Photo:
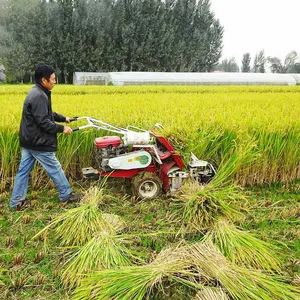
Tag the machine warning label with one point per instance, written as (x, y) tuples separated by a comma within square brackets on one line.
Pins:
[(143, 159)]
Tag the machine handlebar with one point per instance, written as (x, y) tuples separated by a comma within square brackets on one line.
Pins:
[(137, 136), (73, 119)]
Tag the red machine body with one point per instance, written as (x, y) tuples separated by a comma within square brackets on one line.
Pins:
[(166, 152), (103, 142), (148, 159)]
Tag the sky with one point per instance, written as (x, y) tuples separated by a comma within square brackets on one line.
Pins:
[(255, 25)]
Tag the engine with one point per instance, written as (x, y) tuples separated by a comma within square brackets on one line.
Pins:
[(105, 154), (111, 155)]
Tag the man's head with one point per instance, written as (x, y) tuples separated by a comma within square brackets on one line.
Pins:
[(44, 75)]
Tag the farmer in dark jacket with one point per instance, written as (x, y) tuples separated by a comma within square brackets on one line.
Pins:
[(38, 139)]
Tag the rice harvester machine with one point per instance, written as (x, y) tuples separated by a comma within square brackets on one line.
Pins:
[(148, 159)]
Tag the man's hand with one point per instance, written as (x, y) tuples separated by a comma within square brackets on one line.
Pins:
[(68, 120), (67, 130)]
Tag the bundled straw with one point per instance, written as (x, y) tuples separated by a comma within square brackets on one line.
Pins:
[(209, 293), (239, 282), (76, 226), (242, 248), (134, 282), (117, 223), (196, 266), (202, 205), (104, 251)]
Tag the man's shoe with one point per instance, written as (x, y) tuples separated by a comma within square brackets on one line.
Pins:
[(21, 206), (73, 198)]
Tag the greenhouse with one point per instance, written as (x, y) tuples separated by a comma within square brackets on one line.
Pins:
[(173, 78), (90, 78), (220, 78), (296, 77), (2, 73)]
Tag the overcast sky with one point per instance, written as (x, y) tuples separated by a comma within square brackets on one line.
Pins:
[(254, 25)]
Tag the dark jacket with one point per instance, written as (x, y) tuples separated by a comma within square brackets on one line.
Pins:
[(38, 128)]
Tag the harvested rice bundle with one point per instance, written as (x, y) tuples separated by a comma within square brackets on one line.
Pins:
[(243, 248)]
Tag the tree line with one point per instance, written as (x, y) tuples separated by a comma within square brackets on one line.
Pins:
[(108, 35), (291, 63)]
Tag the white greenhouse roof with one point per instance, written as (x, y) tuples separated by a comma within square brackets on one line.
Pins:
[(173, 78), (85, 78), (296, 77), (219, 78)]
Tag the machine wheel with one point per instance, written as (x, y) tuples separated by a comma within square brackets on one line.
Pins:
[(146, 185)]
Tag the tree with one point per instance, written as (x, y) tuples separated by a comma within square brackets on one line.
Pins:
[(109, 35), (246, 63), (290, 60), (276, 65), (288, 66), (17, 55), (228, 65), (259, 62), (205, 36), (295, 68)]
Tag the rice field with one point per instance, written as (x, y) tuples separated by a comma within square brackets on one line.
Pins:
[(220, 241), (259, 124)]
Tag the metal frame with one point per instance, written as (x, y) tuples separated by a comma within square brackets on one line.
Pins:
[(98, 124)]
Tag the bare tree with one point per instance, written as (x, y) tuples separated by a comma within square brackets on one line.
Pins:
[(276, 65), (288, 66), (259, 62), (290, 61)]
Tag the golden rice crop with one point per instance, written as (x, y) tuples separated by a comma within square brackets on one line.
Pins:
[(198, 265), (209, 121), (243, 248)]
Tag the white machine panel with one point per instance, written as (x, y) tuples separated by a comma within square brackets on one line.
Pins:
[(129, 161), (139, 138)]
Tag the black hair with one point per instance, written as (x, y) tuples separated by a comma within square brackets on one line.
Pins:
[(42, 71)]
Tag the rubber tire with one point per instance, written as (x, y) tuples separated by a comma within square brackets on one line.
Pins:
[(140, 179)]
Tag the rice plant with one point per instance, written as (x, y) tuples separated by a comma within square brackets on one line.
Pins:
[(207, 120), (211, 293), (201, 206), (198, 266), (76, 226), (135, 282), (9, 155), (234, 156), (243, 248), (104, 251), (239, 282)]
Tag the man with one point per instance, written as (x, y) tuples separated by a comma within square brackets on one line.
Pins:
[(38, 139)]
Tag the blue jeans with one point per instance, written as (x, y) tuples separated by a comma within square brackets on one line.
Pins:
[(50, 163)]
